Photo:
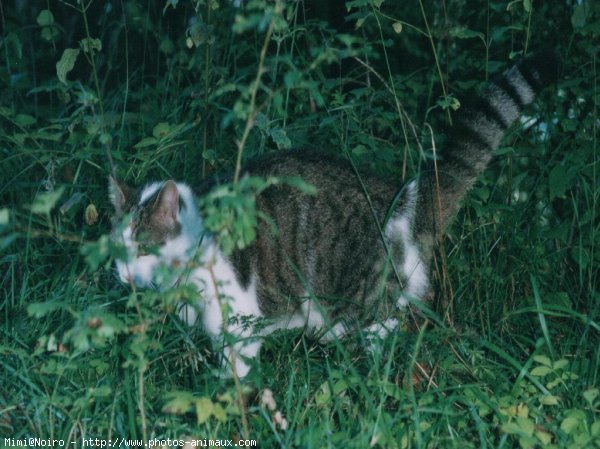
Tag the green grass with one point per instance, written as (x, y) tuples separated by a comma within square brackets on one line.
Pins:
[(509, 357)]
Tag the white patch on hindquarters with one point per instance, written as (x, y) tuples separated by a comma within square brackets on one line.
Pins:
[(399, 230)]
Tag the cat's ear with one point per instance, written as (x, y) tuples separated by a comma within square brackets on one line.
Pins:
[(166, 206), (120, 194)]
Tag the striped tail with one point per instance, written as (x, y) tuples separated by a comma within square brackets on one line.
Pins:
[(477, 132)]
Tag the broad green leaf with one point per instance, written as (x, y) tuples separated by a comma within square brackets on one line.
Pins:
[(41, 309), (465, 33), (204, 409), (4, 216), (559, 180), (161, 130), (179, 402), (590, 395), (549, 399), (540, 371), (45, 18), (397, 26), (66, 63), (44, 202), (580, 15), (542, 360), (25, 120), (146, 142)]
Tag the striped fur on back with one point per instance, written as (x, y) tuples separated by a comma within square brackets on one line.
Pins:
[(348, 257)]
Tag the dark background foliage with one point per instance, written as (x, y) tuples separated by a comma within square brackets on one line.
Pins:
[(181, 89)]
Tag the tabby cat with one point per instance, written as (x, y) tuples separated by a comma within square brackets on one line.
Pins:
[(349, 256)]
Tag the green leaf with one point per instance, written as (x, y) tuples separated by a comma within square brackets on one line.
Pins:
[(527, 6), (465, 33), (540, 371), (179, 402), (44, 202), (559, 180), (580, 15), (542, 360), (397, 26), (89, 44), (161, 130), (281, 139), (66, 63), (41, 309), (45, 18), (590, 395), (204, 409), (4, 216), (560, 364), (146, 142), (25, 120), (549, 399)]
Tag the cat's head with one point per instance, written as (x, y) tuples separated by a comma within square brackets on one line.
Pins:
[(160, 228)]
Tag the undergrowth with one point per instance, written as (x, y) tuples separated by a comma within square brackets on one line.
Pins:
[(509, 356)]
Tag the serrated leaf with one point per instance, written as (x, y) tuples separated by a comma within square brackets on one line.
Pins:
[(44, 202), (66, 63), (397, 26), (179, 402), (281, 139)]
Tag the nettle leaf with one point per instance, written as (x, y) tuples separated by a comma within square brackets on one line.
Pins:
[(66, 63), (179, 402), (281, 139)]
